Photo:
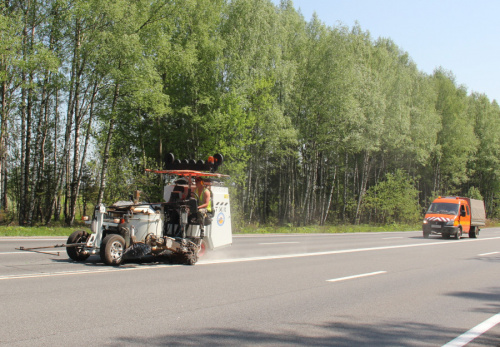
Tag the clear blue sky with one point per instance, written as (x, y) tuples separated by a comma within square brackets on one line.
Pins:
[(460, 36)]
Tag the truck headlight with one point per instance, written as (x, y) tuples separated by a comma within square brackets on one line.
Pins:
[(450, 222), (425, 221)]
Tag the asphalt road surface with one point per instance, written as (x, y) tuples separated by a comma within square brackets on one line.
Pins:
[(366, 289)]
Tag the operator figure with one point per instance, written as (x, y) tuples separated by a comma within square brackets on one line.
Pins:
[(204, 203)]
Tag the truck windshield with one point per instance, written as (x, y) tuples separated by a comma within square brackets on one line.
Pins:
[(443, 208)]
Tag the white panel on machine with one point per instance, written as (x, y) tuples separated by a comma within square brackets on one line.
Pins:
[(221, 232)]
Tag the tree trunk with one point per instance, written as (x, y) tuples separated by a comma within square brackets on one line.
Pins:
[(3, 142), (364, 183), (78, 168), (108, 145), (330, 197)]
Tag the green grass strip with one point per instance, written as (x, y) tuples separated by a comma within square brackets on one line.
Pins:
[(38, 231), (327, 229)]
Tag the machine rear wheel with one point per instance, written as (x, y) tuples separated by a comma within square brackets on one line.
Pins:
[(77, 253), (112, 248), (190, 258)]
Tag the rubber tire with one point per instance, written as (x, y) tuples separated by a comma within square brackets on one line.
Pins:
[(473, 232), (458, 234), (426, 235), (190, 259), (75, 253), (112, 248), (203, 249)]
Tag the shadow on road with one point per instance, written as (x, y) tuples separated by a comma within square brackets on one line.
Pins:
[(333, 334), (491, 297)]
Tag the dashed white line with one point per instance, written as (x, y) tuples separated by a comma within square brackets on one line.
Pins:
[(357, 276), (473, 333), (491, 253), (277, 243)]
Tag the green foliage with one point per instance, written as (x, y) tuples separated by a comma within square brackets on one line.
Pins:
[(456, 139), (394, 200), (309, 117), (474, 193)]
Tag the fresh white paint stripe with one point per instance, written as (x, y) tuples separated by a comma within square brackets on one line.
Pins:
[(488, 253), (85, 272), (276, 243), (470, 335), (342, 251), (30, 239), (239, 260), (31, 252), (357, 276)]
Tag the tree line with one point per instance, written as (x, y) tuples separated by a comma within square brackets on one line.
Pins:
[(317, 124)]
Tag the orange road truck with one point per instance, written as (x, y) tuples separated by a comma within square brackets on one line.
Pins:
[(454, 216)]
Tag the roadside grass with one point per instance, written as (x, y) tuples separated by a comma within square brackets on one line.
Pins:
[(326, 229), (38, 231), (254, 229), (339, 229)]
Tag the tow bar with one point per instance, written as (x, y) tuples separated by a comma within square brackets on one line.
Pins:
[(36, 249)]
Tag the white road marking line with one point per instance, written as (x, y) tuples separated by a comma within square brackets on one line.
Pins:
[(276, 243), (85, 272), (357, 276), (30, 252), (29, 239), (473, 333), (239, 260), (343, 251), (392, 238), (488, 253)]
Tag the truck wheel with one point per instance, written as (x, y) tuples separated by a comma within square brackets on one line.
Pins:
[(458, 234), (473, 232), (112, 248), (77, 253), (426, 235)]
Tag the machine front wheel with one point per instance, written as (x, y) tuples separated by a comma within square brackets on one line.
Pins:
[(112, 248), (77, 253)]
